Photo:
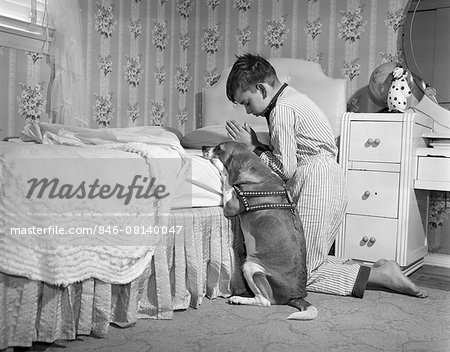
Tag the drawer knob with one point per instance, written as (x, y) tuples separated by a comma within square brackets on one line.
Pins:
[(373, 142), (365, 239), (367, 194), (372, 240)]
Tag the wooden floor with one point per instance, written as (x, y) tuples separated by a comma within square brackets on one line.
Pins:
[(432, 277)]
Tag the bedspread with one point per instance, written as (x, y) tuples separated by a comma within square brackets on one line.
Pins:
[(120, 192), (204, 259)]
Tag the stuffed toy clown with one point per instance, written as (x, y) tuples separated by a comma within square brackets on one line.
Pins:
[(399, 92)]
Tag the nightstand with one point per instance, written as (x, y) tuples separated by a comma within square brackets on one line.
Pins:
[(385, 216)]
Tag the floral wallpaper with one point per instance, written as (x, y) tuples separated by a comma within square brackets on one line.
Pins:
[(149, 60), (438, 224), (146, 61), (31, 101)]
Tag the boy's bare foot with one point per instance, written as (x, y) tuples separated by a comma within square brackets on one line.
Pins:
[(388, 274)]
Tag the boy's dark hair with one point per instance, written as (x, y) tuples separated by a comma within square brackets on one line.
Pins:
[(247, 71)]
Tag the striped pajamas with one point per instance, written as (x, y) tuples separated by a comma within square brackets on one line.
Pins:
[(303, 153)]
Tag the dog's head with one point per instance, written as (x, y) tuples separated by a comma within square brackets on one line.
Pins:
[(225, 151), (242, 164)]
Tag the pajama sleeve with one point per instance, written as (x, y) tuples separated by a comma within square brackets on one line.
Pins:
[(282, 159)]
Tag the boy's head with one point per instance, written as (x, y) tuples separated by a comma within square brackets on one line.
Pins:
[(250, 83)]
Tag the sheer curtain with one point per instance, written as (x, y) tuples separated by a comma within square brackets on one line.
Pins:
[(68, 96)]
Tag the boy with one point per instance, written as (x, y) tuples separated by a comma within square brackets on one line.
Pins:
[(303, 153)]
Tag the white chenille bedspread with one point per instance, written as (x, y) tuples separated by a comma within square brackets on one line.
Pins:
[(111, 256)]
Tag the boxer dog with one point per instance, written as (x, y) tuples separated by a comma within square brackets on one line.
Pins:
[(275, 265)]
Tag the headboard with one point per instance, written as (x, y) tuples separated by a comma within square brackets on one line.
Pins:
[(306, 76)]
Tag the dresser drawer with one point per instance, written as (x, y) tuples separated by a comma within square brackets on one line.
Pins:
[(373, 193), (370, 238), (375, 141)]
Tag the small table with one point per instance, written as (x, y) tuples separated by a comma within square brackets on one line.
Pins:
[(433, 174), (433, 169)]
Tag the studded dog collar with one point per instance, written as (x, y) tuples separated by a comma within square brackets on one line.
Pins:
[(244, 195)]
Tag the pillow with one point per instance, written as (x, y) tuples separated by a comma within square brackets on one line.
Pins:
[(213, 135)]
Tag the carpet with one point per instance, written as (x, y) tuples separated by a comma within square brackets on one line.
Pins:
[(381, 321)]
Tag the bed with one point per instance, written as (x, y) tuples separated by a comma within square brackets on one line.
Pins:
[(160, 246)]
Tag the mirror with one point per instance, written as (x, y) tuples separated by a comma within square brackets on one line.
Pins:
[(426, 54), (426, 47)]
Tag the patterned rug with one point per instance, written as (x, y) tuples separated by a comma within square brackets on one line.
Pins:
[(382, 321)]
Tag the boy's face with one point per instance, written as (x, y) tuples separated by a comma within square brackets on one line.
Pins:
[(253, 101)]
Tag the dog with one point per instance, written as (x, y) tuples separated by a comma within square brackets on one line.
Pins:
[(275, 265)]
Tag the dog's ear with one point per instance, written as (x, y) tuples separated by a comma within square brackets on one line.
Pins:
[(227, 159), (224, 156), (246, 175), (241, 170)]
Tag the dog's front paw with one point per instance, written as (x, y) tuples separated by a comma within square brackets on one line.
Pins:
[(218, 164)]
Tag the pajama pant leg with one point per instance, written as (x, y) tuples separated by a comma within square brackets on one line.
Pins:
[(320, 192)]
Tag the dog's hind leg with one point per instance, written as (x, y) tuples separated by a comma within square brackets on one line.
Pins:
[(307, 311), (257, 281)]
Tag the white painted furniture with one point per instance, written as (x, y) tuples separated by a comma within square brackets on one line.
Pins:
[(385, 216), (433, 173), (431, 160)]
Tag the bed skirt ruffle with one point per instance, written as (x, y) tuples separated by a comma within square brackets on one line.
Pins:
[(203, 259)]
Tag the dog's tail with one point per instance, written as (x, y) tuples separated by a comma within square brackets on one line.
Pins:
[(306, 310)]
